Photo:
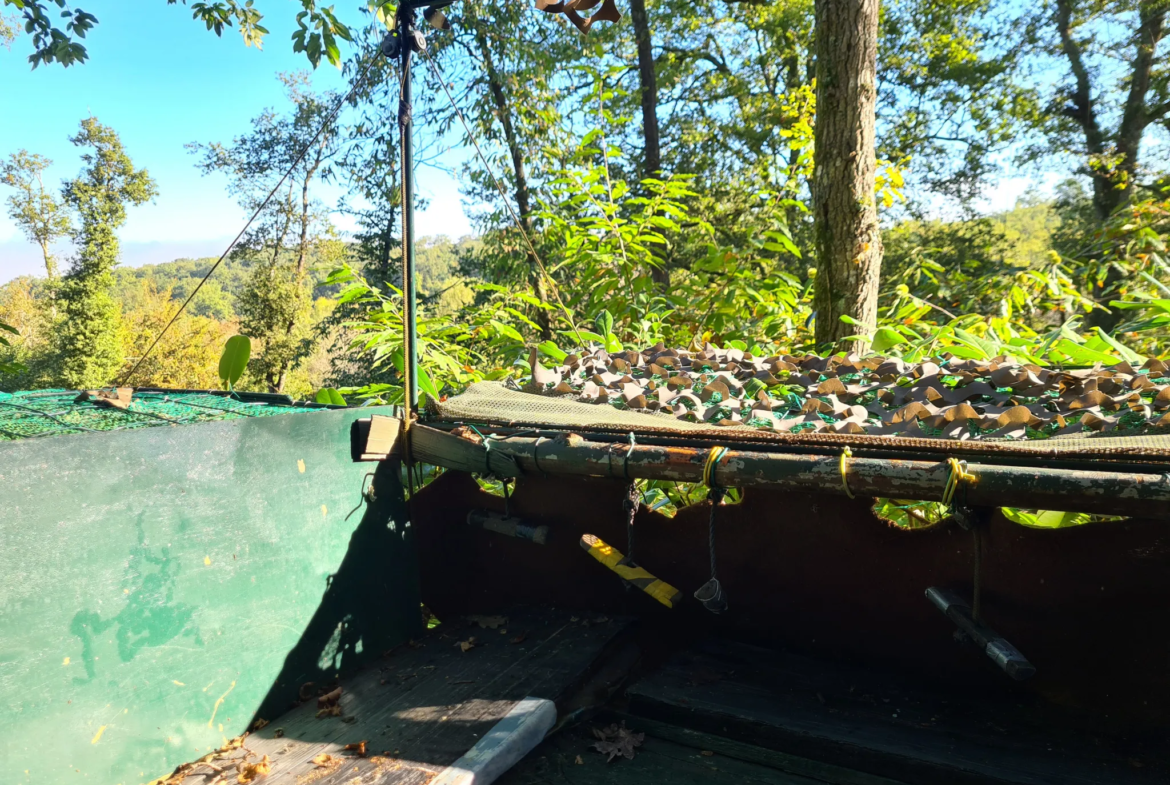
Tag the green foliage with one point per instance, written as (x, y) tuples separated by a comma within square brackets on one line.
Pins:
[(39, 213), (318, 30), (330, 397), (234, 361), (9, 366), (89, 341)]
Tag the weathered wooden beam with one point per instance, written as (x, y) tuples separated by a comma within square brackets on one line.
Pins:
[(1103, 492), (375, 438)]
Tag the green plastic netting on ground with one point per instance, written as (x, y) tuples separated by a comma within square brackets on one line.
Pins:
[(25, 415)]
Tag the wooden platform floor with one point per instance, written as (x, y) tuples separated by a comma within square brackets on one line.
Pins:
[(426, 705), (672, 755), (886, 725)]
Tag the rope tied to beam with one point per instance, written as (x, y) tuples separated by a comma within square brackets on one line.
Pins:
[(843, 465), (957, 475)]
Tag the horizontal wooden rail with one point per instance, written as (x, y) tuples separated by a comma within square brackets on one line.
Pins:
[(1138, 494)]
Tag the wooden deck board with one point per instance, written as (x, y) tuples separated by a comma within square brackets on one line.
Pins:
[(428, 702), (882, 724), (657, 761)]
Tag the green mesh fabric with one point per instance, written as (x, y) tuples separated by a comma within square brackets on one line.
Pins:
[(25, 415)]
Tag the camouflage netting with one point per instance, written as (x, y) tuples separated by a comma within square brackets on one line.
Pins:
[(26, 415), (951, 399), (947, 406)]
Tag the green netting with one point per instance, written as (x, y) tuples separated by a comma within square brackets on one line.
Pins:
[(25, 415)]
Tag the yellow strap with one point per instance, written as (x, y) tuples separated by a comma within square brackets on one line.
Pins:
[(846, 454), (613, 559), (713, 459), (958, 474)]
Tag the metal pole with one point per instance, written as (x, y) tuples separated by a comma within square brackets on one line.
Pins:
[(406, 45)]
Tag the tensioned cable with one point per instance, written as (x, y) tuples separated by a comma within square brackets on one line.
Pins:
[(504, 196), (297, 162)]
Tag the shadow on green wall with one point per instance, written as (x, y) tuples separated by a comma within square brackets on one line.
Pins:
[(151, 617), (371, 603)]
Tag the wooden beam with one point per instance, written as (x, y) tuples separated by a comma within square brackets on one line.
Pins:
[(1102, 492)]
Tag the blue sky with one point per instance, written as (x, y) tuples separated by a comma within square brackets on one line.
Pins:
[(162, 80)]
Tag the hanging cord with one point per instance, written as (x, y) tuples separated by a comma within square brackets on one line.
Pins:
[(507, 203), (297, 162), (715, 494), (367, 494), (631, 504), (846, 454)]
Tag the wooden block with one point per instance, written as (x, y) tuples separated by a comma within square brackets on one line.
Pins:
[(375, 438)]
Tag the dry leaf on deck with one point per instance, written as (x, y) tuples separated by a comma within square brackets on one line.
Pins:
[(329, 698), (324, 761), (488, 622), (617, 740), (329, 711), (579, 762), (359, 748), (250, 772), (467, 645)]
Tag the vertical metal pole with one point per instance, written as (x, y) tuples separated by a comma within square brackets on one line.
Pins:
[(410, 333)]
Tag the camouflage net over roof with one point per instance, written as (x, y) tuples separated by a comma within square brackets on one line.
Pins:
[(25, 415), (951, 398)]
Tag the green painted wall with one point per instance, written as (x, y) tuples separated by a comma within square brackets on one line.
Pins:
[(161, 587)]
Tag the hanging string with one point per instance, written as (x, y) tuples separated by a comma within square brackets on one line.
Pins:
[(631, 504), (507, 203), (715, 494)]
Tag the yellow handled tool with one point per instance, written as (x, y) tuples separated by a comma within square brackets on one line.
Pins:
[(635, 576)]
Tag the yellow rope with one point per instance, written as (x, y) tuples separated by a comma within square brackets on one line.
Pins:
[(846, 454), (958, 474), (713, 458)]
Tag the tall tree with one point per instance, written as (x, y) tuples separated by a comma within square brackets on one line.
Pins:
[(90, 340), (276, 304), (40, 214), (847, 235)]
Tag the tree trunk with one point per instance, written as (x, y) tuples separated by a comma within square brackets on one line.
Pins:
[(519, 175), (648, 82), (847, 237), (1112, 167)]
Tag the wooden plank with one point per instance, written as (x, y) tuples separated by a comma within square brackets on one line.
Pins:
[(880, 725), (429, 702), (820, 771), (656, 762), (1107, 492)]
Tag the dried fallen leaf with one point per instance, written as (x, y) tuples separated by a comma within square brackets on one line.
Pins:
[(329, 711), (707, 753), (488, 622), (249, 772), (324, 761), (278, 733), (617, 741), (329, 698), (579, 762), (467, 645), (359, 748), (259, 724)]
